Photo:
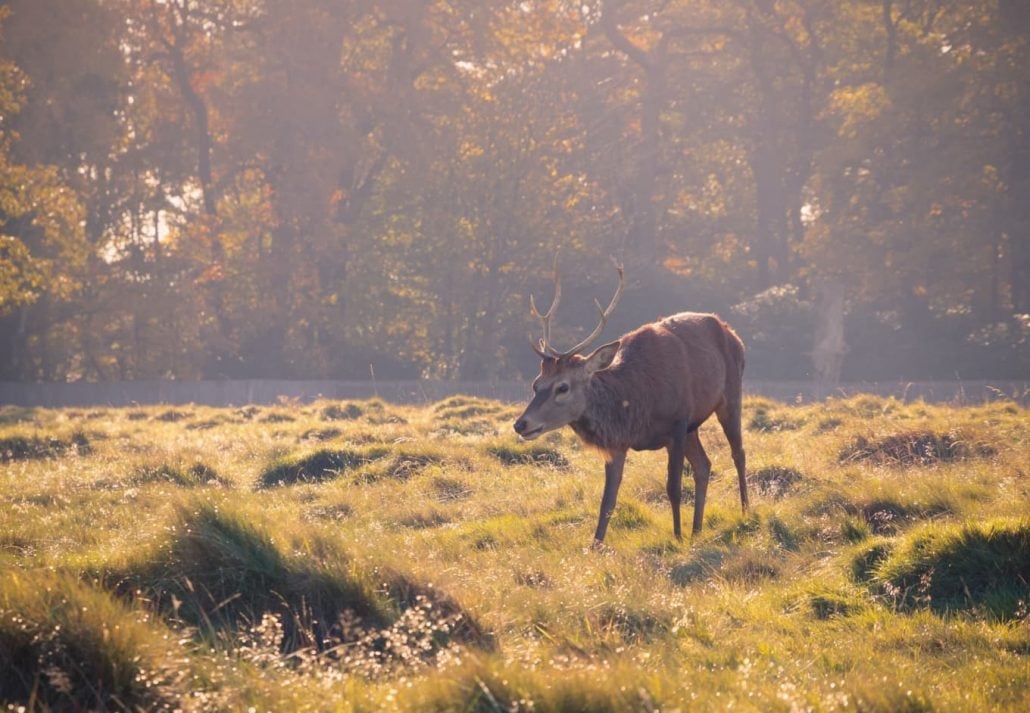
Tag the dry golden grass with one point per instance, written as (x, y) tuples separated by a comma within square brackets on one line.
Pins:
[(353, 556)]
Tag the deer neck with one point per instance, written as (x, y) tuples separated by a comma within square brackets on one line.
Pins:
[(607, 421)]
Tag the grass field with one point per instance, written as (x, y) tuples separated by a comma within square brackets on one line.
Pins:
[(361, 555)]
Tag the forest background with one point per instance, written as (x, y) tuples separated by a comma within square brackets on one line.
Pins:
[(315, 189)]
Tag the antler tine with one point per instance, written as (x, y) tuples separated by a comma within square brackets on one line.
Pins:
[(544, 345), (605, 313)]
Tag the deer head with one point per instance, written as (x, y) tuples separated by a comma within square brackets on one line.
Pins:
[(560, 390)]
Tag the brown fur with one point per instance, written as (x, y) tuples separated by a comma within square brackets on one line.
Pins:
[(667, 378)]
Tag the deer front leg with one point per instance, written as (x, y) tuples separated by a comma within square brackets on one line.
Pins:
[(674, 484), (612, 481)]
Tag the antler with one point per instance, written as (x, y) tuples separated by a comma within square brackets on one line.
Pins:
[(605, 314), (543, 346)]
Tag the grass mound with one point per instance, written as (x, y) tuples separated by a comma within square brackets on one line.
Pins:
[(374, 412), (176, 473), (470, 427), (982, 567), (248, 413), (407, 462), (408, 594), (320, 434), (912, 448), (16, 414), (479, 688), (831, 605), (276, 417), (20, 447), (528, 454), (775, 481), (749, 567), (766, 418), (885, 516), (221, 574), (424, 520), (172, 416), (629, 624), (453, 402), (65, 645), (462, 408), (321, 465), (204, 425), (629, 515), (450, 489), (866, 562), (341, 412), (336, 512)]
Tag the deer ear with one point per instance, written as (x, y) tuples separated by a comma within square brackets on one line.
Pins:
[(602, 357)]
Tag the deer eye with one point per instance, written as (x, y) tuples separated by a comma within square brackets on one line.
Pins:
[(562, 389)]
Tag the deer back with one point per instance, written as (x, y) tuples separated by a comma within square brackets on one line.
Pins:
[(671, 371)]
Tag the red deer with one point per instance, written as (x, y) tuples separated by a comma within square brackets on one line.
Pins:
[(649, 389)]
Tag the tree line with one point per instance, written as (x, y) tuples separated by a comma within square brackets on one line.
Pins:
[(329, 188)]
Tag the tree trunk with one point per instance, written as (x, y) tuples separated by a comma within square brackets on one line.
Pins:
[(829, 348), (643, 223)]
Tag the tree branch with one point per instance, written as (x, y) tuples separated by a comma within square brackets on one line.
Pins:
[(620, 41)]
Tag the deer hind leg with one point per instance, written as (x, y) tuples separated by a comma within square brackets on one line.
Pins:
[(674, 484), (729, 418), (702, 468)]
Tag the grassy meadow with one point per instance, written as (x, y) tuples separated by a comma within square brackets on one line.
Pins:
[(367, 556)]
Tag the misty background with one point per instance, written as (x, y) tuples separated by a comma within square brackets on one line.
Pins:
[(320, 189)]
